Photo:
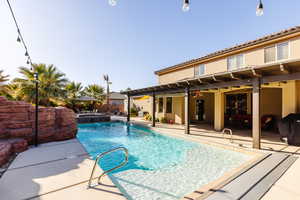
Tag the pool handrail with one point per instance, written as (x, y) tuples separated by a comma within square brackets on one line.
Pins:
[(112, 169), (227, 130)]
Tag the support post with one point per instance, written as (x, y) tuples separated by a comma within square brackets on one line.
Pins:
[(36, 139), (219, 111), (128, 108), (256, 121), (153, 110), (187, 110)]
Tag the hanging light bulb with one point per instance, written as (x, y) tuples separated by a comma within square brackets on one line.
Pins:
[(186, 5), (260, 9), (27, 61), (18, 39), (112, 2), (26, 53)]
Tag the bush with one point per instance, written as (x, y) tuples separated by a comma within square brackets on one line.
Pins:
[(133, 111), (163, 120), (148, 117)]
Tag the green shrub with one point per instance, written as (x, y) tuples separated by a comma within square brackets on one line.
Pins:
[(133, 111), (163, 120), (148, 117)]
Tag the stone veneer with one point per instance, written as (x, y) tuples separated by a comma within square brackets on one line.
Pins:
[(17, 122)]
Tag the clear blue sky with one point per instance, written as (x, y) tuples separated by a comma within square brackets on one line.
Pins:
[(87, 38)]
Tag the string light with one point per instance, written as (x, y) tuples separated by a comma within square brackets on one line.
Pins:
[(186, 5), (20, 37), (112, 2), (260, 9)]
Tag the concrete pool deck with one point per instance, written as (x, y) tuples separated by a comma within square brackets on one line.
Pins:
[(60, 170), (57, 170), (285, 188)]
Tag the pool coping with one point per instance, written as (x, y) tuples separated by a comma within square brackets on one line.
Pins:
[(206, 190)]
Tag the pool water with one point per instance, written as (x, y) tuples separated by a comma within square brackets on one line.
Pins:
[(159, 167)]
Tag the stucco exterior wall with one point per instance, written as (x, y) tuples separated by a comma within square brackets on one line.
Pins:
[(216, 66), (289, 98), (298, 95), (271, 102), (251, 58), (178, 109), (254, 57), (177, 114), (144, 105), (295, 48), (176, 76)]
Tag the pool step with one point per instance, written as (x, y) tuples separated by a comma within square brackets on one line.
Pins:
[(256, 181)]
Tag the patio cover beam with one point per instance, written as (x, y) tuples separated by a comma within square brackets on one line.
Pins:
[(201, 84)]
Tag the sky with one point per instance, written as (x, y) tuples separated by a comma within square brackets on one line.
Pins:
[(88, 38)]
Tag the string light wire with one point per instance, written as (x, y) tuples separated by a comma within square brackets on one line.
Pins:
[(20, 36)]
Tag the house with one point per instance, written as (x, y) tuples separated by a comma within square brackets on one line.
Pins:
[(238, 85), (141, 103), (116, 102)]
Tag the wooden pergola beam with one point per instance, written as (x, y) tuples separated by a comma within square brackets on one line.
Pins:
[(255, 73), (280, 78), (215, 79), (233, 76), (179, 87), (284, 69)]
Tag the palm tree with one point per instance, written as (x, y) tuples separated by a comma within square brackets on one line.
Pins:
[(3, 86), (95, 91), (51, 83), (73, 91), (3, 78)]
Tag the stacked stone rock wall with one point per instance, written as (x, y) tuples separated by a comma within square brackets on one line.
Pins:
[(17, 126)]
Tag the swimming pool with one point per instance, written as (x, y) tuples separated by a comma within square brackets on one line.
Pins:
[(159, 167)]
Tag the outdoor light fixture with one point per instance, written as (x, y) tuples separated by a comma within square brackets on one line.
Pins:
[(260, 9), (36, 77), (26, 53), (18, 39), (186, 5), (112, 2)]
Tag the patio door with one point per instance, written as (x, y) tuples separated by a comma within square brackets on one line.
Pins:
[(200, 111)]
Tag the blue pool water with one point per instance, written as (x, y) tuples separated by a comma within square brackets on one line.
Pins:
[(159, 167)]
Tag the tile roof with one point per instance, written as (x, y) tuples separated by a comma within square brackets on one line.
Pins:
[(266, 38), (116, 95)]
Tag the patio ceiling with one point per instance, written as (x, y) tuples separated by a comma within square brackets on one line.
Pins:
[(279, 71)]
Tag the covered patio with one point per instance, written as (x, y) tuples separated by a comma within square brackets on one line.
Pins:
[(254, 78), (241, 138)]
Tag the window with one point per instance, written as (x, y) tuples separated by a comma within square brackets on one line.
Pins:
[(277, 52), (199, 70), (169, 105), (283, 51), (235, 62), (270, 55), (160, 104)]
